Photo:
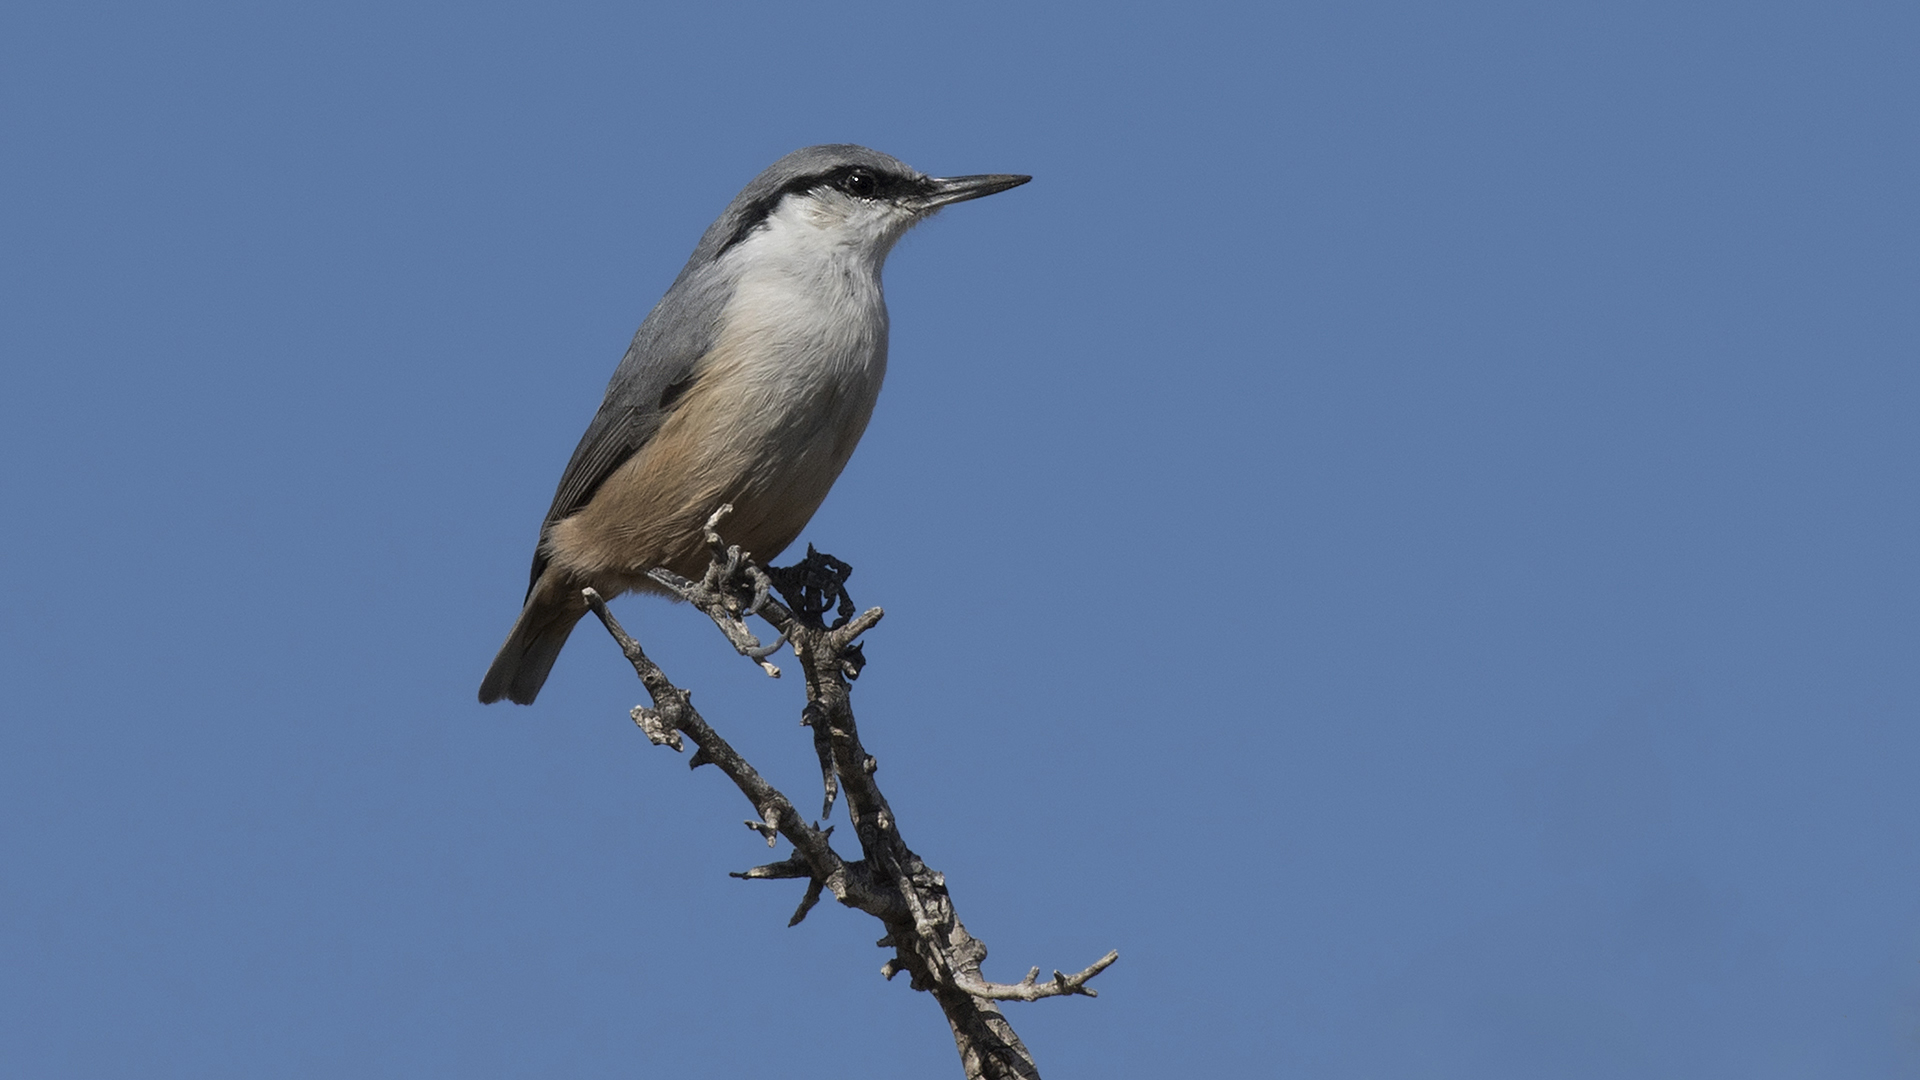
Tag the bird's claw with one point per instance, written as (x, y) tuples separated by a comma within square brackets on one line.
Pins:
[(732, 588)]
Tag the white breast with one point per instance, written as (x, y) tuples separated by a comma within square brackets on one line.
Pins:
[(799, 362)]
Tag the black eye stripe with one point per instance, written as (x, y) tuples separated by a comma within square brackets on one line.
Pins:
[(863, 182), (886, 185)]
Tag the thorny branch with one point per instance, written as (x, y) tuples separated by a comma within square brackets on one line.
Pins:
[(888, 881)]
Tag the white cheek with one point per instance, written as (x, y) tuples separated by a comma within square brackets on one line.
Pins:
[(808, 316), (826, 230)]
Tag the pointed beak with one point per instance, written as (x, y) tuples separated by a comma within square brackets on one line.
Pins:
[(942, 190)]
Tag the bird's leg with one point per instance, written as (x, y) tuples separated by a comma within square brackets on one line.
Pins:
[(733, 587)]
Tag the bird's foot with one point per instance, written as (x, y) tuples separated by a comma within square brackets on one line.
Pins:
[(733, 588)]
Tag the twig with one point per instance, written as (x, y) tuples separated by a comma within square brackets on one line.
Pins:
[(673, 714), (1029, 990)]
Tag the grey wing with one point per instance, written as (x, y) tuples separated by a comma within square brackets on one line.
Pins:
[(662, 360)]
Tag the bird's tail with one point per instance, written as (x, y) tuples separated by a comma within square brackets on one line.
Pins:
[(521, 667)]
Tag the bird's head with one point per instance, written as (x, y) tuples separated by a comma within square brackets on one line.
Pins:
[(842, 196)]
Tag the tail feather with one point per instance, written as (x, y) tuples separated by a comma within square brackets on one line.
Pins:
[(520, 669)]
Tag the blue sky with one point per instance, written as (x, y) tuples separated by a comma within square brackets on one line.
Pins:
[(1405, 529)]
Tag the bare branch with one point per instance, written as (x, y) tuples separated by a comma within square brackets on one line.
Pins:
[(659, 733), (673, 714), (889, 882), (1028, 989), (806, 902), (794, 867)]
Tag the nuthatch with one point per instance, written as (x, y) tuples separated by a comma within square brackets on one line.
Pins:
[(749, 383)]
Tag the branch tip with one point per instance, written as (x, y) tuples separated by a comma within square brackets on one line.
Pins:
[(806, 902), (862, 623)]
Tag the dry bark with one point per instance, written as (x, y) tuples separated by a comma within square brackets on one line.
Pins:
[(888, 881)]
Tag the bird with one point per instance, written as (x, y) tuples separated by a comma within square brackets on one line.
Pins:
[(749, 383)]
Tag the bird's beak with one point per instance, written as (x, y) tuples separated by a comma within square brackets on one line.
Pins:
[(941, 190)]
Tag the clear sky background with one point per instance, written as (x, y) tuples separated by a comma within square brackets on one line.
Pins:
[(1406, 529)]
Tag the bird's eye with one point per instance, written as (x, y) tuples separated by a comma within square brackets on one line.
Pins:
[(861, 184)]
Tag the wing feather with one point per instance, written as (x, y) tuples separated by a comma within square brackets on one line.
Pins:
[(664, 356)]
